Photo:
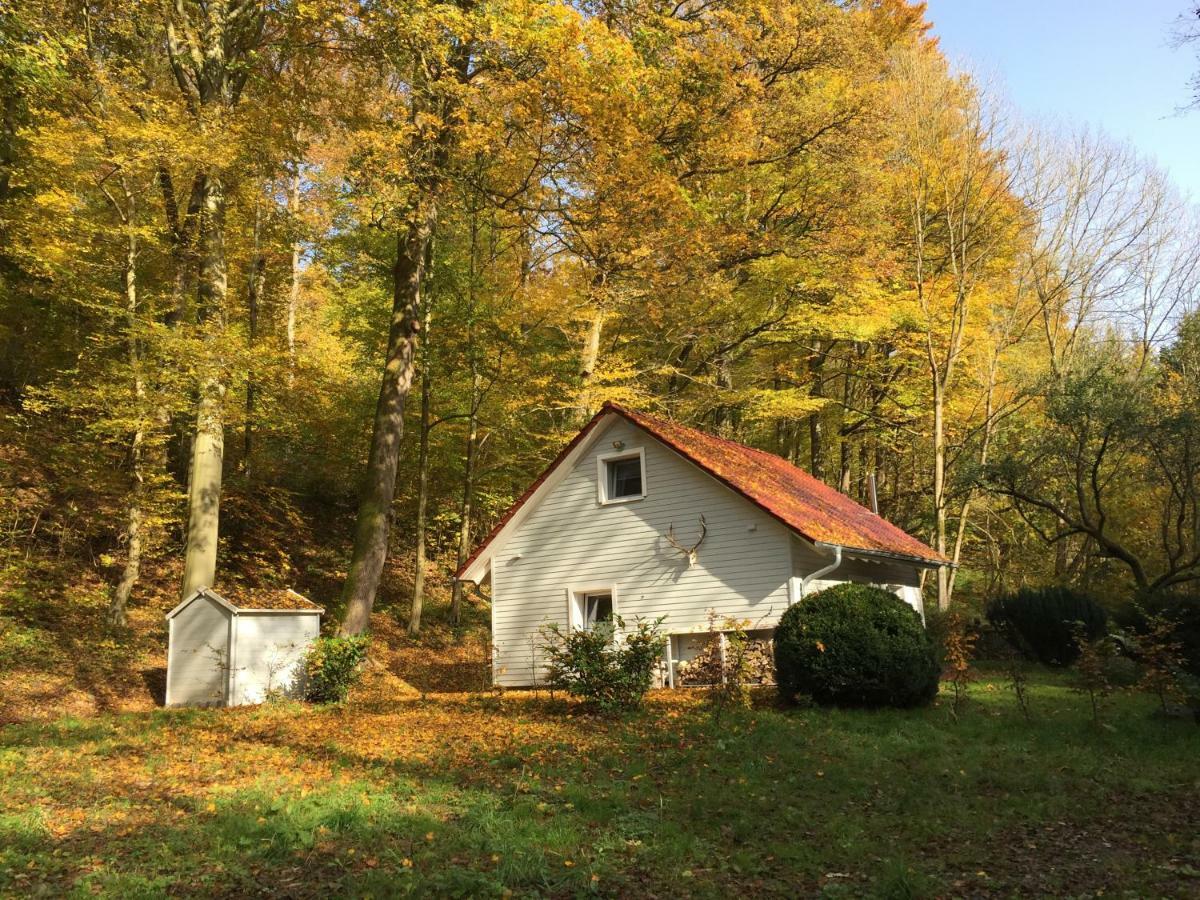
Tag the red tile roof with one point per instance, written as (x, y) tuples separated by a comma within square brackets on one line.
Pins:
[(804, 504)]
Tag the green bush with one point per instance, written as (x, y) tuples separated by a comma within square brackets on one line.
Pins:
[(1185, 614), (854, 645), (1040, 622), (1182, 611), (332, 666), (608, 675)]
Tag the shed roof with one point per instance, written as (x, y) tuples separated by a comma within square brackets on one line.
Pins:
[(255, 600), (804, 504)]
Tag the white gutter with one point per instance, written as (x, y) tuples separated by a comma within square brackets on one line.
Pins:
[(884, 554), (837, 561)]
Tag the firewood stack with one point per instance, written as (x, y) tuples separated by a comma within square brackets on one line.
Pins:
[(705, 667)]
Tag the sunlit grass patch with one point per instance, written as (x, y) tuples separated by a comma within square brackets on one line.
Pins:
[(456, 795)]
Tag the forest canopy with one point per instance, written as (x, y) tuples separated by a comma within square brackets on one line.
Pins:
[(335, 280)]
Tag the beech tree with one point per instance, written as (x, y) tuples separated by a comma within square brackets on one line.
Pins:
[(792, 223), (210, 48)]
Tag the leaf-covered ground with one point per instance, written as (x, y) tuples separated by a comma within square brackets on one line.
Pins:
[(484, 795)]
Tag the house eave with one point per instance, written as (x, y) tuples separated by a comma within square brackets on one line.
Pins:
[(477, 572), (891, 556)]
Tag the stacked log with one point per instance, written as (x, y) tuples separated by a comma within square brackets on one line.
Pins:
[(707, 667)]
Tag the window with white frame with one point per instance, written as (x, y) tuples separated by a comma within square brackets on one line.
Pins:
[(591, 607), (622, 476)]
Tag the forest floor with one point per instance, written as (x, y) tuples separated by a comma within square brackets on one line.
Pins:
[(58, 659), (58, 565), (478, 793)]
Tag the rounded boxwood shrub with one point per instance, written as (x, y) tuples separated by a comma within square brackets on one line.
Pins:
[(855, 645), (1040, 622)]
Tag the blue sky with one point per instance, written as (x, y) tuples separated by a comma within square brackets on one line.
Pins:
[(1106, 63)]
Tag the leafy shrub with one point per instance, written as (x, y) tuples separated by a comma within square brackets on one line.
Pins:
[(731, 660), (1040, 622), (1161, 657), (1185, 614), (1166, 638), (332, 666), (958, 647), (1182, 612), (1092, 675), (608, 675), (1018, 679), (855, 645)]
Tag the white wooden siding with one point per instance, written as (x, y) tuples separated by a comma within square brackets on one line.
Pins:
[(571, 540), (197, 654), (268, 652), (901, 577)]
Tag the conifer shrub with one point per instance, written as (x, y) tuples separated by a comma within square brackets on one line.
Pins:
[(855, 645), (1041, 622), (332, 666)]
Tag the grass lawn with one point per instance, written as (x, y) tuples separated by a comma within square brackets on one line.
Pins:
[(477, 795)]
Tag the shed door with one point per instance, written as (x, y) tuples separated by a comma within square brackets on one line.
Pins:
[(198, 656)]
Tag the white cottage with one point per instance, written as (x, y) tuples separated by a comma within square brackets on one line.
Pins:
[(221, 653), (639, 516)]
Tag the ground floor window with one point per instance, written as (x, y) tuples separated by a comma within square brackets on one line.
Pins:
[(591, 607)]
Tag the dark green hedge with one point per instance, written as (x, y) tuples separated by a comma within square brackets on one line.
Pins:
[(855, 645), (1040, 622)]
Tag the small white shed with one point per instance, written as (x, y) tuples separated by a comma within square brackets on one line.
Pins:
[(221, 653)]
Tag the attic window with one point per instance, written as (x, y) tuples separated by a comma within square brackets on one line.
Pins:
[(625, 478), (622, 476)]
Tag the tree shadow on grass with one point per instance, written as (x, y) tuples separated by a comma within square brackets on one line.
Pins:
[(361, 836), (517, 794)]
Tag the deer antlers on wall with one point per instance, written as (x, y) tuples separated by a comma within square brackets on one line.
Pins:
[(689, 552)]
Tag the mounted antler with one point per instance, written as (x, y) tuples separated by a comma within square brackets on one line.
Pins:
[(689, 552)]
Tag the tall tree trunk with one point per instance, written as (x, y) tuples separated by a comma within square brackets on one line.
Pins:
[(985, 446), (418, 597), (135, 516), (258, 274), (865, 474), (474, 401), (939, 492), (180, 230), (816, 443), (589, 358), (723, 422), (374, 510), (208, 446), (468, 495), (294, 290), (844, 448), (1062, 549)]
